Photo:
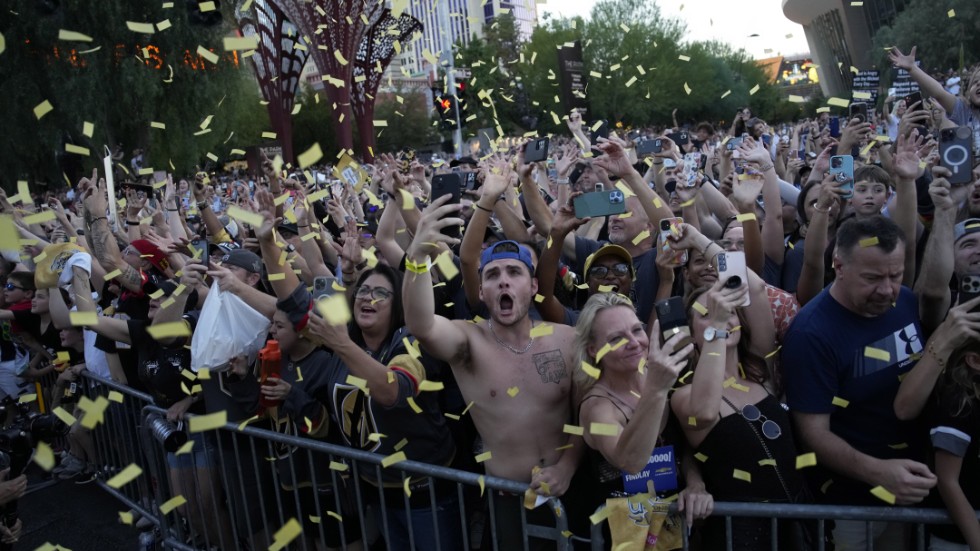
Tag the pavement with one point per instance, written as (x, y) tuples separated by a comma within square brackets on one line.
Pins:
[(80, 517)]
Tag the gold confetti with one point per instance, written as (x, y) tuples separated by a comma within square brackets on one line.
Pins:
[(211, 421), (172, 504), (485, 456), (289, 531), (700, 457), (241, 43), (754, 90), (840, 402), (877, 354), (125, 476), (739, 474), (390, 460), (603, 429), (806, 460), (42, 109), (513, 391), (881, 493), (207, 54), (64, 34)]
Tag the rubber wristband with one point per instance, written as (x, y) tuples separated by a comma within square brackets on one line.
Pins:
[(477, 205), (417, 267)]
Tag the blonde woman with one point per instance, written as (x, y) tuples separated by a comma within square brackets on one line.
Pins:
[(630, 394)]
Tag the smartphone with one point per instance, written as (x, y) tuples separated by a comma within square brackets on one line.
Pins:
[(323, 287), (200, 244), (576, 173), (767, 140), (601, 131), (733, 271), (680, 138), (914, 97), (858, 110), (693, 162), (834, 126), (671, 227), (956, 154), (673, 320), (649, 146), (969, 289), (448, 184), (536, 151), (600, 203), (733, 143), (842, 167)]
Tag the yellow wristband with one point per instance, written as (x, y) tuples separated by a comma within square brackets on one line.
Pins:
[(417, 267)]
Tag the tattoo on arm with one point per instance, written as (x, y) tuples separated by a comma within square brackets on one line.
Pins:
[(106, 251)]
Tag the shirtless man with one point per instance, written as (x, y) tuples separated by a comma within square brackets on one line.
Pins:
[(520, 385)]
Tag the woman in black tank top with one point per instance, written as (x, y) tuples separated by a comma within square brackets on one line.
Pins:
[(740, 432)]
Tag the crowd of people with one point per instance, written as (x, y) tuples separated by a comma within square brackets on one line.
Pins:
[(785, 313)]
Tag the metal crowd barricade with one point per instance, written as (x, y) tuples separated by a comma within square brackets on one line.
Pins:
[(918, 518), (117, 441), (231, 495), (237, 452)]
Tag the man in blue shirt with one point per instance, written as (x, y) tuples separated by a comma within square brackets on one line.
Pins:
[(842, 359)]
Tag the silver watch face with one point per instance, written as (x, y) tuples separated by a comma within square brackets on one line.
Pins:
[(709, 334)]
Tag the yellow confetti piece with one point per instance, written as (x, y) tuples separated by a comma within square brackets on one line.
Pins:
[(335, 515), (591, 371), (81, 319), (43, 216), (390, 460), (285, 535), (427, 386), (951, 14), (241, 43), (142, 28), (88, 129), (126, 517), (172, 504), (542, 330), (603, 429), (877, 354), (767, 462), (339, 57), (42, 109), (211, 421), (806, 460), (573, 429), (337, 466), (169, 330), (64, 34), (513, 391), (405, 483), (310, 156), (125, 476), (840, 402), (485, 456), (415, 407), (44, 456), (600, 515), (482, 481), (207, 54), (687, 89), (163, 25), (188, 447), (746, 217), (754, 90), (334, 309), (684, 58), (881, 493), (838, 102), (739, 474)]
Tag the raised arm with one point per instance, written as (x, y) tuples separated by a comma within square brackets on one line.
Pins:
[(615, 162), (932, 287), (928, 84), (494, 185), (812, 276), (547, 272), (905, 169), (444, 339), (281, 276), (111, 328), (100, 238)]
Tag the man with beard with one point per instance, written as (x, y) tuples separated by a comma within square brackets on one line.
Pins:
[(517, 376)]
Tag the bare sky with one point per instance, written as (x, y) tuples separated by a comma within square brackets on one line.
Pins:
[(724, 20)]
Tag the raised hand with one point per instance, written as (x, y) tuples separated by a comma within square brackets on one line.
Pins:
[(267, 208), (664, 363), (900, 60), (435, 217)]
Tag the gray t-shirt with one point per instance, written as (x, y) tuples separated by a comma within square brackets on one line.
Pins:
[(964, 115)]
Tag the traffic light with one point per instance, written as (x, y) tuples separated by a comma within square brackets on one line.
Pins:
[(445, 106)]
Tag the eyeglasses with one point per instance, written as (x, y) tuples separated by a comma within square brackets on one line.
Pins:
[(727, 244), (770, 428), (619, 269), (11, 287), (375, 293)]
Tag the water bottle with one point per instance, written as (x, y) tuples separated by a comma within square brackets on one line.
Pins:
[(148, 540), (270, 361)]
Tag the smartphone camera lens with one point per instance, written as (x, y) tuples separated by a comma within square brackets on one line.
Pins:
[(733, 282), (836, 162)]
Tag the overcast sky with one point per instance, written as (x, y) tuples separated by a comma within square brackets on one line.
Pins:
[(725, 20)]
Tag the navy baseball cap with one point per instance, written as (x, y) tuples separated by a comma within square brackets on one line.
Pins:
[(506, 249)]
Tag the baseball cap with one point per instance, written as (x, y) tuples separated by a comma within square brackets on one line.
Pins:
[(506, 249), (244, 259), (607, 250), (462, 161), (152, 253), (966, 227)]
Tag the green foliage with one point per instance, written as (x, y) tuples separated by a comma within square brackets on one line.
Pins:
[(526, 92), (314, 123), (939, 38), (408, 121), (122, 85)]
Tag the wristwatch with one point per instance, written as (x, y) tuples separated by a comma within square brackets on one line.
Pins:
[(712, 333)]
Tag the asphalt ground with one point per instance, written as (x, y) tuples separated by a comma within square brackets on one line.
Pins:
[(80, 517)]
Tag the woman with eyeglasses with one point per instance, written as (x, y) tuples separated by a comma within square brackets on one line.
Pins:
[(731, 415)]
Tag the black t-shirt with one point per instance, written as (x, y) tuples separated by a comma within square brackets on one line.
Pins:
[(160, 367), (953, 432), (30, 323)]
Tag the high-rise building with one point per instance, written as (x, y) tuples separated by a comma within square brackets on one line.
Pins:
[(839, 33)]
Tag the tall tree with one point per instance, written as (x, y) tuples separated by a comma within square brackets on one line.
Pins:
[(943, 42)]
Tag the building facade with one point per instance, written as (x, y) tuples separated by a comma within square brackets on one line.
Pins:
[(839, 35)]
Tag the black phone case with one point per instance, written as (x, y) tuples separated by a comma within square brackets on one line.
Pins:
[(969, 289), (448, 184), (536, 151), (956, 154)]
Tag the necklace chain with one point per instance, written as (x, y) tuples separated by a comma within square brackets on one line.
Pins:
[(505, 345)]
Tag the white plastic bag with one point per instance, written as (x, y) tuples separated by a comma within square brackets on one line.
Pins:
[(227, 327)]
